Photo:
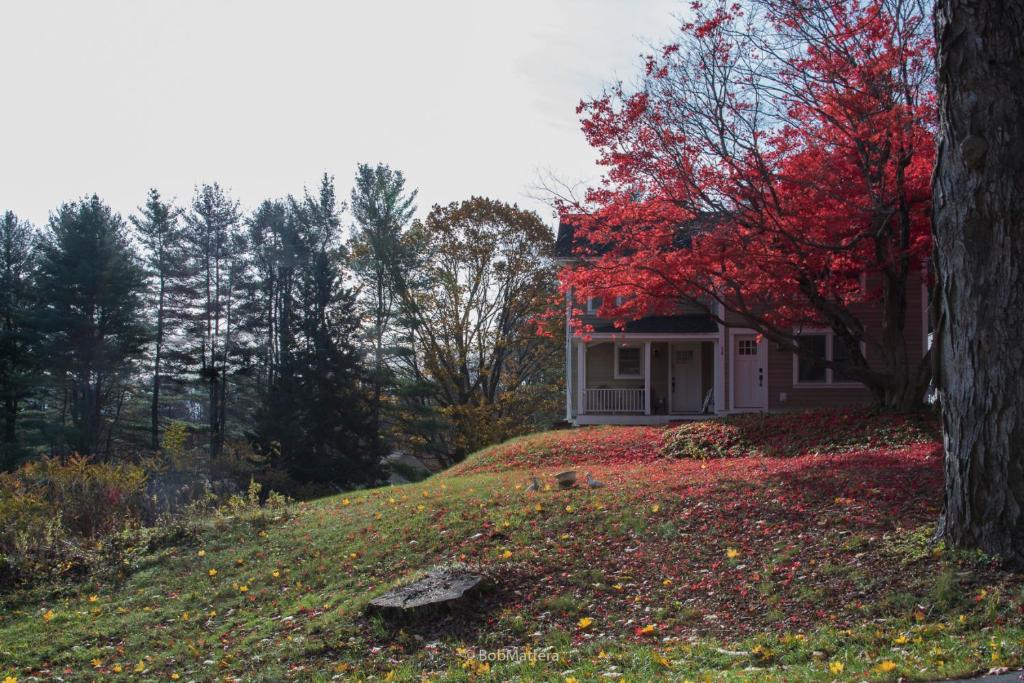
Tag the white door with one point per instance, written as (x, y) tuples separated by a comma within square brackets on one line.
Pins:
[(686, 375), (748, 373)]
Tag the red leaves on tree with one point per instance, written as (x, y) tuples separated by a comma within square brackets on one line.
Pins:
[(774, 154)]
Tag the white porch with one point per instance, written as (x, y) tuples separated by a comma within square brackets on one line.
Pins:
[(623, 379)]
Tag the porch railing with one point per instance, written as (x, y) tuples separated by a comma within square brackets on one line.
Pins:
[(615, 400)]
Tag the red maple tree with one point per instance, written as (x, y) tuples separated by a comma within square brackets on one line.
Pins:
[(774, 164)]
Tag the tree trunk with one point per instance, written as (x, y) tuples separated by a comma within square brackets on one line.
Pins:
[(154, 408), (979, 238)]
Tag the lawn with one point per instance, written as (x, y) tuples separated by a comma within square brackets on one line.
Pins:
[(814, 563)]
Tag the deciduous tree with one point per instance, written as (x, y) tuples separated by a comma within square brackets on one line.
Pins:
[(486, 273), (773, 155)]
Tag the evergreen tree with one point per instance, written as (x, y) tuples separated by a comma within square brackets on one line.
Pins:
[(158, 229), (91, 290), (215, 247), (17, 360), (315, 419), (382, 209), (269, 304)]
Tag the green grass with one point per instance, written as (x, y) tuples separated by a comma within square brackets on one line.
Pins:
[(738, 570)]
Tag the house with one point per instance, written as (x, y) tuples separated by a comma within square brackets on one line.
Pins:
[(666, 368)]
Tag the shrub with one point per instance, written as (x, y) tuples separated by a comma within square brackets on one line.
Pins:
[(797, 433), (89, 498), (253, 508), (52, 511)]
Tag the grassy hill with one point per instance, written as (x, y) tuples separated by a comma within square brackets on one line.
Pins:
[(790, 567)]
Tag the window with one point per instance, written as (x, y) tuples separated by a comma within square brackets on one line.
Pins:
[(821, 345), (747, 347), (593, 304), (812, 347), (840, 353), (628, 362)]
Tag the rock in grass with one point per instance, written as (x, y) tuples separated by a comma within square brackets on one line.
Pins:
[(441, 589)]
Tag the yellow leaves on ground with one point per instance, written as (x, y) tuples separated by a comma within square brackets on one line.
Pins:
[(48, 615), (94, 598), (10, 679), (140, 667), (346, 502), (506, 555), (201, 553), (212, 572), (732, 553), (655, 508), (836, 667), (886, 666), (585, 622)]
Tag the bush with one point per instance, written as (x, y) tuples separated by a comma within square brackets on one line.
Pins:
[(72, 517), (797, 433), (52, 511)]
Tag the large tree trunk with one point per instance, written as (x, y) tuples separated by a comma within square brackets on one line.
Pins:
[(979, 238)]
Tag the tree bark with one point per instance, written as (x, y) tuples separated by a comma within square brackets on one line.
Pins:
[(154, 408), (979, 238)]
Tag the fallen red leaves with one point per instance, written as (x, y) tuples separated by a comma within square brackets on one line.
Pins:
[(797, 433)]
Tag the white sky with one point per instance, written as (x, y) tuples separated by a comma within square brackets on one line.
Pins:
[(465, 97)]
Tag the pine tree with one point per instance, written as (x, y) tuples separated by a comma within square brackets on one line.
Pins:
[(17, 360), (91, 290), (382, 209), (157, 226), (215, 246), (315, 418)]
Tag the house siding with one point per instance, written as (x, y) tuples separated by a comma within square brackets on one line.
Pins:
[(782, 394)]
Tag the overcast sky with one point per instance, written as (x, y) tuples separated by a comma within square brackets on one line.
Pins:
[(466, 98)]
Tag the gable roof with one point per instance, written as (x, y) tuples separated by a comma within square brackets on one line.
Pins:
[(567, 242)]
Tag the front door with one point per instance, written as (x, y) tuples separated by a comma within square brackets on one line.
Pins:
[(748, 372), (686, 384)]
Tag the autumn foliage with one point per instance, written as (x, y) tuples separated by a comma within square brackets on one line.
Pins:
[(774, 164)]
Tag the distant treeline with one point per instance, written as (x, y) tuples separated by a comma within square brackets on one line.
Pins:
[(312, 344)]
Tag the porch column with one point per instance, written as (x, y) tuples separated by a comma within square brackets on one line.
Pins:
[(721, 355), (581, 379), (647, 378)]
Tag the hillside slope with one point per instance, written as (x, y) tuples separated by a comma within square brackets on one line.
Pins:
[(810, 567)]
